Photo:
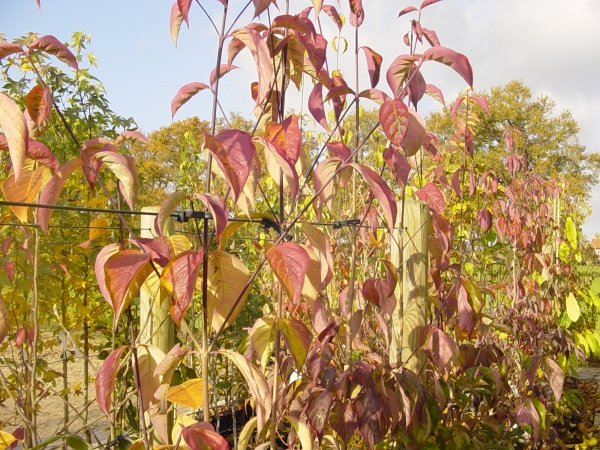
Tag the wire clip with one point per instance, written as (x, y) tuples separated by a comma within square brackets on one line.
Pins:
[(185, 216), (344, 223)]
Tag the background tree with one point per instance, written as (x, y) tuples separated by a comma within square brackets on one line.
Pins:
[(548, 141)]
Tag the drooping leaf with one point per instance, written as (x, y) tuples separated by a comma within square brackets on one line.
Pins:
[(485, 219), (357, 13), (175, 20), (201, 436), (185, 93), (38, 103), (39, 152), (52, 190), (338, 92), (374, 61), (8, 48), (428, 2), (260, 6), (465, 310), (433, 196), (397, 72), (148, 358), (457, 61), (526, 413), (297, 338), (441, 347), (14, 128), (166, 209), (125, 273), (179, 279), (407, 10), (3, 320), (555, 376), (131, 136), (481, 101), (572, 306), (376, 95), (322, 247), (6, 439), (217, 209), (393, 116), (184, 7), (123, 167), (227, 277), (256, 382), (51, 45), (246, 433), (571, 232), (262, 340), (316, 106), (107, 378), (284, 162), (101, 258), (326, 189), (187, 394), (343, 420), (293, 137), (398, 165), (431, 37), (262, 59), (223, 70), (289, 262), (318, 411), (368, 410), (332, 12), (381, 191), (23, 190)]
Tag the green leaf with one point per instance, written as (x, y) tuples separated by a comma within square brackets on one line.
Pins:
[(246, 434), (571, 232), (573, 310), (563, 252), (297, 339), (302, 431), (77, 443)]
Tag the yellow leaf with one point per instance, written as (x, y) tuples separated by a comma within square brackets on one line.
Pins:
[(187, 394), (25, 190), (6, 439), (98, 228), (573, 310)]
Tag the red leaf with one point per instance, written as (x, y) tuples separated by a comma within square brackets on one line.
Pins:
[(435, 93), (428, 2), (52, 190), (465, 310), (459, 101), (184, 94), (397, 71), (393, 116), (38, 103), (332, 12), (290, 22), (416, 84), (260, 6), (339, 91), (124, 169), (431, 194), (339, 150), (14, 127), (218, 210), (398, 165), (481, 101), (407, 10), (555, 376), (125, 273), (175, 21), (184, 8), (457, 61), (179, 279), (293, 137), (456, 182), (343, 420), (234, 156), (50, 44), (38, 151), (485, 219), (6, 246), (382, 192), (290, 263), (376, 95), (357, 13), (431, 37), (527, 414), (440, 346), (374, 61), (368, 411), (199, 437), (223, 69), (107, 378), (318, 411), (9, 268), (262, 59), (101, 259), (316, 106), (8, 48)]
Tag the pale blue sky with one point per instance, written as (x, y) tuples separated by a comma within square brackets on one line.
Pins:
[(550, 44)]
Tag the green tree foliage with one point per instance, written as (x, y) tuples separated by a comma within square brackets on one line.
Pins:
[(549, 140)]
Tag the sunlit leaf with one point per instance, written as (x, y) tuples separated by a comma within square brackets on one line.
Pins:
[(227, 277), (107, 378), (217, 209), (555, 376), (123, 167), (23, 190), (256, 382), (201, 436), (38, 103), (246, 433), (166, 209), (14, 128), (185, 93), (175, 20), (223, 69), (302, 431), (289, 262), (284, 162), (179, 279), (297, 338), (572, 306), (187, 394), (39, 152), (332, 12), (148, 358), (322, 247), (393, 116), (571, 232), (374, 61), (3, 320), (316, 106), (433, 196), (53, 46), (8, 48), (457, 61)]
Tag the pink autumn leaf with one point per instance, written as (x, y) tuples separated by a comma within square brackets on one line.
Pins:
[(375, 95), (432, 195), (465, 310), (393, 116), (179, 279), (175, 21), (223, 69), (217, 209), (374, 61), (339, 150), (338, 91), (332, 12), (131, 136), (38, 103), (431, 37), (293, 137), (107, 378), (8, 48), (260, 6), (184, 8), (200, 437), (234, 157), (484, 217), (101, 259), (407, 10), (456, 182), (397, 71), (14, 127), (289, 22), (166, 209), (381, 191), (289, 262), (481, 101), (50, 44), (397, 164), (357, 13), (555, 376), (124, 169), (428, 2), (283, 160), (435, 93), (526, 413), (39, 152), (186, 93), (316, 106), (459, 101), (457, 61)]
